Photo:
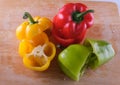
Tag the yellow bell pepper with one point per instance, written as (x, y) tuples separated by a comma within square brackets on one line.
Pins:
[(37, 58), (40, 57), (31, 29), (35, 48)]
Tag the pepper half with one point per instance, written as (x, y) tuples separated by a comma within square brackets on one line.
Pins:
[(40, 57), (71, 23), (72, 60), (102, 52)]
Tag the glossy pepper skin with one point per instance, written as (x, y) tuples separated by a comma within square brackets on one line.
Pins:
[(39, 57), (35, 48), (71, 23), (102, 52), (32, 28), (74, 59)]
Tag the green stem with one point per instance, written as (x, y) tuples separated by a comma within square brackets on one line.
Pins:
[(78, 16), (27, 15), (84, 13)]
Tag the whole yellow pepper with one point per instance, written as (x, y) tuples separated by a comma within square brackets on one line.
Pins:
[(35, 48), (31, 29)]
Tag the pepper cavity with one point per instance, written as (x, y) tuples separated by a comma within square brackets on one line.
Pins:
[(39, 55)]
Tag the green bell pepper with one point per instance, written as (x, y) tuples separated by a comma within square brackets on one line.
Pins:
[(102, 52), (72, 60)]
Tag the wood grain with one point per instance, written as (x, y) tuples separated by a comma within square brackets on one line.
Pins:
[(13, 72)]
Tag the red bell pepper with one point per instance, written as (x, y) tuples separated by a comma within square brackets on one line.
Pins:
[(71, 23)]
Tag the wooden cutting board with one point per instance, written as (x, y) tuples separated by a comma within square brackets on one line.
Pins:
[(12, 70)]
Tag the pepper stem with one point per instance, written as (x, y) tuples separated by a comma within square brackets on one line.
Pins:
[(84, 13), (28, 15), (78, 16)]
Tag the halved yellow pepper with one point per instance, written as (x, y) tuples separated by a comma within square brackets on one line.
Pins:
[(40, 57)]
